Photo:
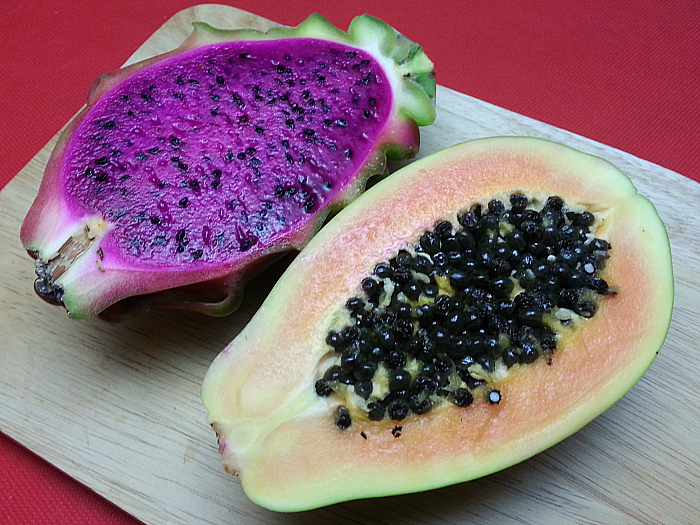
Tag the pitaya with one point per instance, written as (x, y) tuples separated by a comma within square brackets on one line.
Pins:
[(189, 172)]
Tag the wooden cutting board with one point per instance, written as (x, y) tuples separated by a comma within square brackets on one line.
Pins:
[(118, 408)]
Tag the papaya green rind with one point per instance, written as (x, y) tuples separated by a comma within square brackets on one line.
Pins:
[(297, 459)]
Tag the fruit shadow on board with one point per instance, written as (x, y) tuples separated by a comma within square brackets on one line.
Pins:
[(215, 332)]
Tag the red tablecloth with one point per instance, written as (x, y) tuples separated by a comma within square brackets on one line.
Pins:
[(623, 73)]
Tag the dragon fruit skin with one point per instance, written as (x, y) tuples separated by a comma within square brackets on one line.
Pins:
[(79, 259)]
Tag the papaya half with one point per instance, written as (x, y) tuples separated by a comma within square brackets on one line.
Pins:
[(471, 310)]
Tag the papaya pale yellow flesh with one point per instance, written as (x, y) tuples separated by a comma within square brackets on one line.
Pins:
[(280, 437)]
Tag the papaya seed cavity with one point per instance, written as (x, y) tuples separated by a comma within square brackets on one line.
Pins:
[(438, 324)]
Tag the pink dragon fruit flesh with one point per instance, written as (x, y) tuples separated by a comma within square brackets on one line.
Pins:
[(189, 172)]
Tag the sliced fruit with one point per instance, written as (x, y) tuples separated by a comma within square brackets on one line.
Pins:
[(471, 310), (191, 171)]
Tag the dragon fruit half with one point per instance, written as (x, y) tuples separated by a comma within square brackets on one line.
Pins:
[(191, 171)]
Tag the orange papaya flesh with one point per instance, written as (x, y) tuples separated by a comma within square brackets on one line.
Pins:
[(281, 437)]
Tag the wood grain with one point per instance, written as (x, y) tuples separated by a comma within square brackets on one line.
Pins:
[(117, 406)]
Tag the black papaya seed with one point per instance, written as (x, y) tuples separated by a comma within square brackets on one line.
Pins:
[(363, 389), (420, 407), (397, 409), (375, 411), (399, 379), (493, 396), (342, 418), (322, 388), (462, 397)]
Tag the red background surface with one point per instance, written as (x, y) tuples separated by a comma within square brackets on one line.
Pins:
[(625, 73)]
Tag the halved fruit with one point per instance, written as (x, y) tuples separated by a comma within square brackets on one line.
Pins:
[(502, 340), (191, 171)]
